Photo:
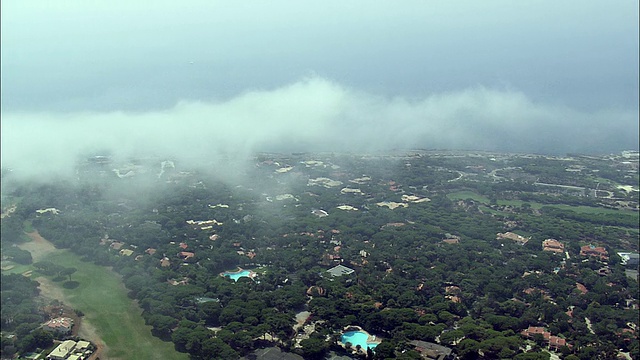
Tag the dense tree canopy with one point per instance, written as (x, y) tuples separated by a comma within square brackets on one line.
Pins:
[(171, 238)]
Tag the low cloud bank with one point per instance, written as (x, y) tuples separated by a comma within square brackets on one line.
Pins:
[(314, 114)]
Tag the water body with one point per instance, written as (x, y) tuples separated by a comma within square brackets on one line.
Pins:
[(237, 275), (357, 338)]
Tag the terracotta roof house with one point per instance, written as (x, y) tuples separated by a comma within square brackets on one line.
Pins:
[(185, 255), (274, 353), (556, 342), (61, 325), (552, 245), (533, 330), (582, 288), (591, 250)]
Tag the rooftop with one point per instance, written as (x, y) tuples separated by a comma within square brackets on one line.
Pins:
[(63, 349), (591, 250), (340, 270), (552, 245), (514, 237), (274, 353)]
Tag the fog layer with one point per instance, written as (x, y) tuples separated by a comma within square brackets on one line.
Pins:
[(314, 114)]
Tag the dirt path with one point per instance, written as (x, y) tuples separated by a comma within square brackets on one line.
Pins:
[(39, 248)]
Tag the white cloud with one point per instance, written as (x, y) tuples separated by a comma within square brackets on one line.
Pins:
[(313, 114)]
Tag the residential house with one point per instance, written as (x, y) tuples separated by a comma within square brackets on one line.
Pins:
[(533, 330), (629, 259), (513, 237), (62, 351), (126, 252), (185, 255), (453, 298), (582, 288), (430, 350), (328, 259), (60, 325), (553, 245), (340, 270), (596, 251), (554, 342)]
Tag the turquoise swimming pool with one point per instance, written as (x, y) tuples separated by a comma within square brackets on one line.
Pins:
[(237, 275), (357, 338)]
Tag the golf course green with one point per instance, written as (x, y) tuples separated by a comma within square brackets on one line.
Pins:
[(102, 297)]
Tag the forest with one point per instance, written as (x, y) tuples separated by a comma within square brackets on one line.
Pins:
[(419, 230)]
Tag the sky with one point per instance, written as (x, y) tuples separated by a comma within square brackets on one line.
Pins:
[(200, 77)]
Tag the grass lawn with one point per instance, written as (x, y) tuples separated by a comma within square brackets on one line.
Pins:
[(487, 209), (463, 195), (103, 299), (17, 268), (26, 225)]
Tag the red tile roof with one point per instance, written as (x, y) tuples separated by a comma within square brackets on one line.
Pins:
[(556, 342), (582, 288), (532, 330), (591, 250), (552, 245), (186, 255)]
